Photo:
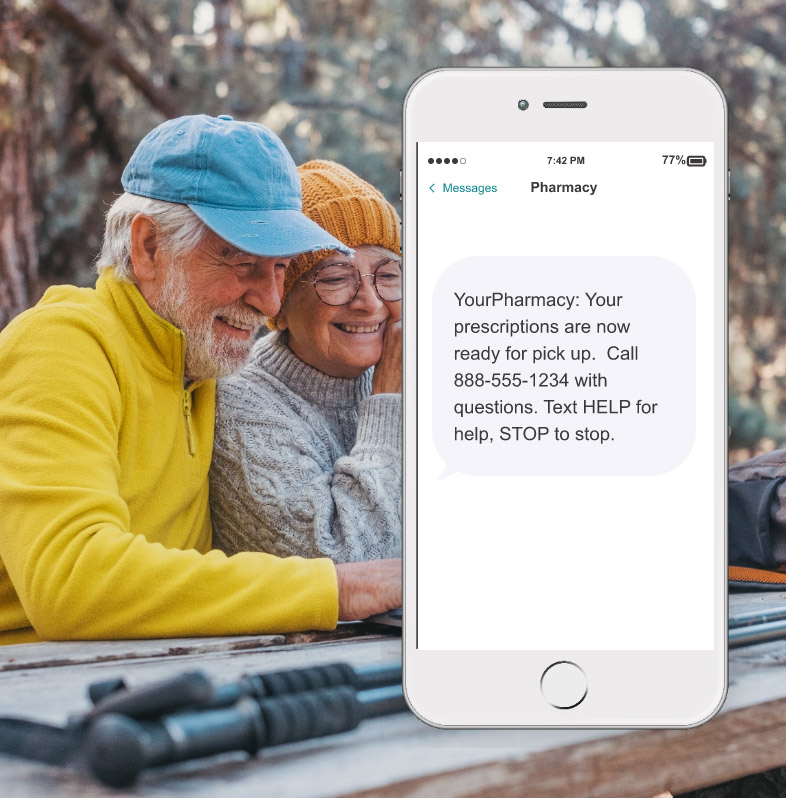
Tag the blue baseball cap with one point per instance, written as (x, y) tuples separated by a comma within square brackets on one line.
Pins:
[(237, 177)]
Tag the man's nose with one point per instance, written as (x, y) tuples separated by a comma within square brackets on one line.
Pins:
[(264, 288)]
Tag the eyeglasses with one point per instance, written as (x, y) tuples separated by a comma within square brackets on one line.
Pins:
[(339, 283)]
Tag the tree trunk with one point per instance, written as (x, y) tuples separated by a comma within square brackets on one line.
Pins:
[(222, 10), (18, 256)]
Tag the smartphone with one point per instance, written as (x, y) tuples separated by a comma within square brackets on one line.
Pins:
[(565, 397)]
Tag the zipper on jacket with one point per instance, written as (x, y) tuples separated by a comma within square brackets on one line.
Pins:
[(187, 416)]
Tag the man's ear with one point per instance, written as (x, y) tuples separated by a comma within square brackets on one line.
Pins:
[(144, 245)]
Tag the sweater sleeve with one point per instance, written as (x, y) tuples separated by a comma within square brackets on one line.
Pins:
[(274, 487), (67, 539)]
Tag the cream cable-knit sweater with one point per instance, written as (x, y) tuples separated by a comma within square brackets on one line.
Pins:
[(305, 463)]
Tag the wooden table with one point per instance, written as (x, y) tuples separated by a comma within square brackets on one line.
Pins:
[(398, 755)]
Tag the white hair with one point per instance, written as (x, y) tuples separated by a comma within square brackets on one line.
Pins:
[(180, 228)]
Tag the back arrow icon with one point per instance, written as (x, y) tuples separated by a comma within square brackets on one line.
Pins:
[(432, 188)]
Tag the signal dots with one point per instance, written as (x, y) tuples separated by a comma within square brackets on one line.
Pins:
[(447, 160)]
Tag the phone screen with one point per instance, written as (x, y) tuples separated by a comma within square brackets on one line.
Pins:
[(564, 413)]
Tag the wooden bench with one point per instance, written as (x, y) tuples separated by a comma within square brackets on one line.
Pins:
[(398, 755)]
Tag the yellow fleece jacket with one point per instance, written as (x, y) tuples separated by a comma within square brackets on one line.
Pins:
[(104, 455)]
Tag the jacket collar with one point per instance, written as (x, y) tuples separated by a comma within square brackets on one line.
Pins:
[(161, 345)]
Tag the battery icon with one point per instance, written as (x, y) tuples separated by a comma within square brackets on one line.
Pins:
[(697, 160)]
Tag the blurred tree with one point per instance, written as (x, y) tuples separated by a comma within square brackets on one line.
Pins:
[(330, 78), (18, 81)]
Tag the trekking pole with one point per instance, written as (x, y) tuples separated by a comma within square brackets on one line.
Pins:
[(118, 748), (189, 717), (195, 690)]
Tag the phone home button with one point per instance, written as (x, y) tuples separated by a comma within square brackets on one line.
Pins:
[(564, 684)]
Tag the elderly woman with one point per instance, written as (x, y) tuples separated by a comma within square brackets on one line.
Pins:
[(307, 453)]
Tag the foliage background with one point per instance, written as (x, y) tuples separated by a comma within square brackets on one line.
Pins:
[(81, 81)]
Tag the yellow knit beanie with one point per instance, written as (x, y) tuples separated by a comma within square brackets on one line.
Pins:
[(348, 208)]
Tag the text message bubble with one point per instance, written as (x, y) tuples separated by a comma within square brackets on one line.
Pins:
[(564, 365)]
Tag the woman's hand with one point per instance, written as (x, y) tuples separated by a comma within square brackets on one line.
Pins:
[(387, 373)]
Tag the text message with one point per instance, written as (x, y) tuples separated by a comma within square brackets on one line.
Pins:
[(564, 366)]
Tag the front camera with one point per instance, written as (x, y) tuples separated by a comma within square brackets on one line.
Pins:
[(523, 105)]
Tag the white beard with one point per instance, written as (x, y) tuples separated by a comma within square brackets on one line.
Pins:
[(208, 356)]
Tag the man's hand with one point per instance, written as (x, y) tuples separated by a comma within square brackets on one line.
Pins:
[(366, 588)]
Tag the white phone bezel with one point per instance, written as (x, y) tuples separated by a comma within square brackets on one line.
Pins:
[(637, 689)]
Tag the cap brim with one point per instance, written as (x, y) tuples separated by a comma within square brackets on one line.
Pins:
[(273, 233)]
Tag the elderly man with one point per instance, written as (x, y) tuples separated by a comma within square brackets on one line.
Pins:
[(107, 410)]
